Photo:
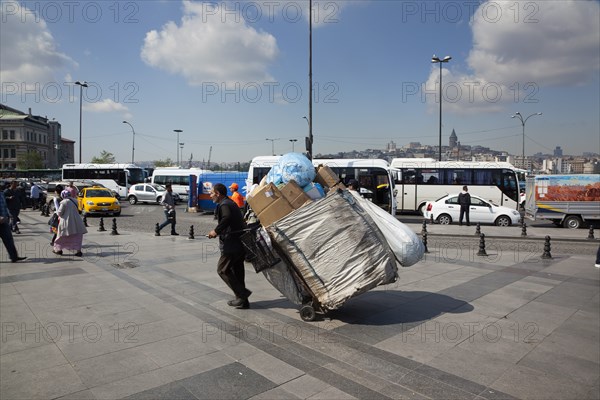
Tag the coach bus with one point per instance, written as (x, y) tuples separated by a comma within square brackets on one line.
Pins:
[(116, 177), (419, 180), (373, 175), (179, 178)]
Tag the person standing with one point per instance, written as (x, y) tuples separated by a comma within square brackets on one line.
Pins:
[(464, 199), (55, 200), (236, 196), (73, 190), (70, 230), (230, 266), (35, 196), (6, 233), (168, 204), (13, 201)]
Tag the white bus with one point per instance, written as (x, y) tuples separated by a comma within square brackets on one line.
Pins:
[(179, 178), (419, 180), (116, 177), (376, 183)]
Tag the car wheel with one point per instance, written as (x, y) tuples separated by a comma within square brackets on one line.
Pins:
[(159, 199), (132, 200), (444, 219), (572, 222), (503, 220)]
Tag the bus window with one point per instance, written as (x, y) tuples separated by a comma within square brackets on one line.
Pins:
[(430, 176)]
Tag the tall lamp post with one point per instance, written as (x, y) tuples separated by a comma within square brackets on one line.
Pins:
[(293, 142), (178, 131), (272, 145), (181, 151), (309, 140), (81, 86), (133, 144), (523, 120), (434, 60)]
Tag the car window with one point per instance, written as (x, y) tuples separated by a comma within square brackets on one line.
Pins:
[(98, 193), (149, 189), (478, 202), (452, 200), (139, 187)]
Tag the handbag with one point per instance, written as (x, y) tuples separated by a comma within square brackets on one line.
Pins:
[(53, 221)]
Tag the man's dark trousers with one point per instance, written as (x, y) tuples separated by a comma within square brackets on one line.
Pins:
[(231, 269)]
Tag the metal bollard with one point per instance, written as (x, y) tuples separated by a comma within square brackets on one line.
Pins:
[(546, 255), (157, 230), (425, 242), (591, 233), (424, 228), (523, 229), (114, 227), (191, 234), (478, 229), (43, 210), (101, 225), (85, 223), (482, 251)]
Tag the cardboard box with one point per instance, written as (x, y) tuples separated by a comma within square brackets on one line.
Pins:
[(275, 211), (294, 194), (326, 177), (263, 197)]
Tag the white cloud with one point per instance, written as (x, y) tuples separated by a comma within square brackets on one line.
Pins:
[(210, 48), (518, 49), (104, 106), (29, 54)]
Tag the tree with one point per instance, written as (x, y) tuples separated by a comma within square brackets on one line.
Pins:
[(30, 160), (105, 158), (160, 163)]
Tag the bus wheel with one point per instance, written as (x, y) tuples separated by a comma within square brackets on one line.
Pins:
[(444, 219), (572, 222), (422, 209)]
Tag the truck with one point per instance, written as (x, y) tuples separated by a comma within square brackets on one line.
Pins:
[(571, 201)]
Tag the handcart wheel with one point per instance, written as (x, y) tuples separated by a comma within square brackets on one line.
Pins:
[(307, 313)]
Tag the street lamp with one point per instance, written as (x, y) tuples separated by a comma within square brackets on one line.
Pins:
[(520, 117), (293, 142), (181, 147), (81, 86), (133, 144), (272, 145), (434, 60), (178, 131)]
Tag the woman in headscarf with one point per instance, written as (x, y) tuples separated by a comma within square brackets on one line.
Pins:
[(71, 228)]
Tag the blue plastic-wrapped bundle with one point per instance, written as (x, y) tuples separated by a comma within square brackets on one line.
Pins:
[(292, 166)]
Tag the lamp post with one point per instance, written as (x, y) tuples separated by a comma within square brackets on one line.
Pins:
[(133, 144), (293, 142), (178, 131), (181, 151), (81, 86), (309, 140), (272, 145), (523, 120), (434, 60)]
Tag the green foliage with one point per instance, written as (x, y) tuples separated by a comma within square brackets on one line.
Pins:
[(163, 163), (105, 158), (30, 160)]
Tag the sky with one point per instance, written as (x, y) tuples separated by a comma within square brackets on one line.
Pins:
[(234, 75)]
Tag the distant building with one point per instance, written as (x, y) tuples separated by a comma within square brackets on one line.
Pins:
[(453, 143), (558, 152)]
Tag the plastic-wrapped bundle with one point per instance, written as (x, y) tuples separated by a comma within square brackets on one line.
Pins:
[(292, 166)]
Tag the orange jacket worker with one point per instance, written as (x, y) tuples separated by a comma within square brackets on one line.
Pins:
[(236, 196)]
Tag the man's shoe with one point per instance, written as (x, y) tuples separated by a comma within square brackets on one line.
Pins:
[(232, 303), (244, 306), (174, 234), (79, 254), (238, 303), (18, 259), (59, 252)]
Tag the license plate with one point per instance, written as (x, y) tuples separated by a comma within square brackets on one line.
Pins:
[(105, 209)]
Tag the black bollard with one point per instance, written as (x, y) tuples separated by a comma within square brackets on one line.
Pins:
[(114, 227), (478, 229), (47, 211), (482, 251), (425, 242), (157, 230), (591, 233), (85, 221), (546, 255), (424, 229), (43, 210), (524, 229), (432, 221), (101, 225), (191, 234)]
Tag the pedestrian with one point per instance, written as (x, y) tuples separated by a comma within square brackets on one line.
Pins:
[(168, 204), (464, 199), (236, 196), (35, 196), (5, 232), (13, 199), (353, 185), (71, 228), (73, 190), (230, 227), (54, 227)]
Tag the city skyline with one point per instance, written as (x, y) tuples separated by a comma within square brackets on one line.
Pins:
[(231, 75)]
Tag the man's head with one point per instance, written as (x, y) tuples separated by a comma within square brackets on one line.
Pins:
[(169, 187), (465, 188), (234, 187), (71, 184), (218, 193), (13, 185), (353, 184)]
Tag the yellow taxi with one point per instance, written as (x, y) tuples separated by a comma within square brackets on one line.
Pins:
[(97, 200)]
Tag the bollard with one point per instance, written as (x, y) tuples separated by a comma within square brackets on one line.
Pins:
[(43, 210), (482, 251), (191, 234), (114, 227), (424, 229), (47, 211), (157, 230), (478, 229), (591, 233), (524, 229), (546, 255), (425, 242), (85, 221), (431, 221), (101, 225)]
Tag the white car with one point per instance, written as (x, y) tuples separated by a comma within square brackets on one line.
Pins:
[(148, 193), (446, 210)]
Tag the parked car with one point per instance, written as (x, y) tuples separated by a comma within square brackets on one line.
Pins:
[(49, 190), (148, 193), (446, 210), (98, 200)]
